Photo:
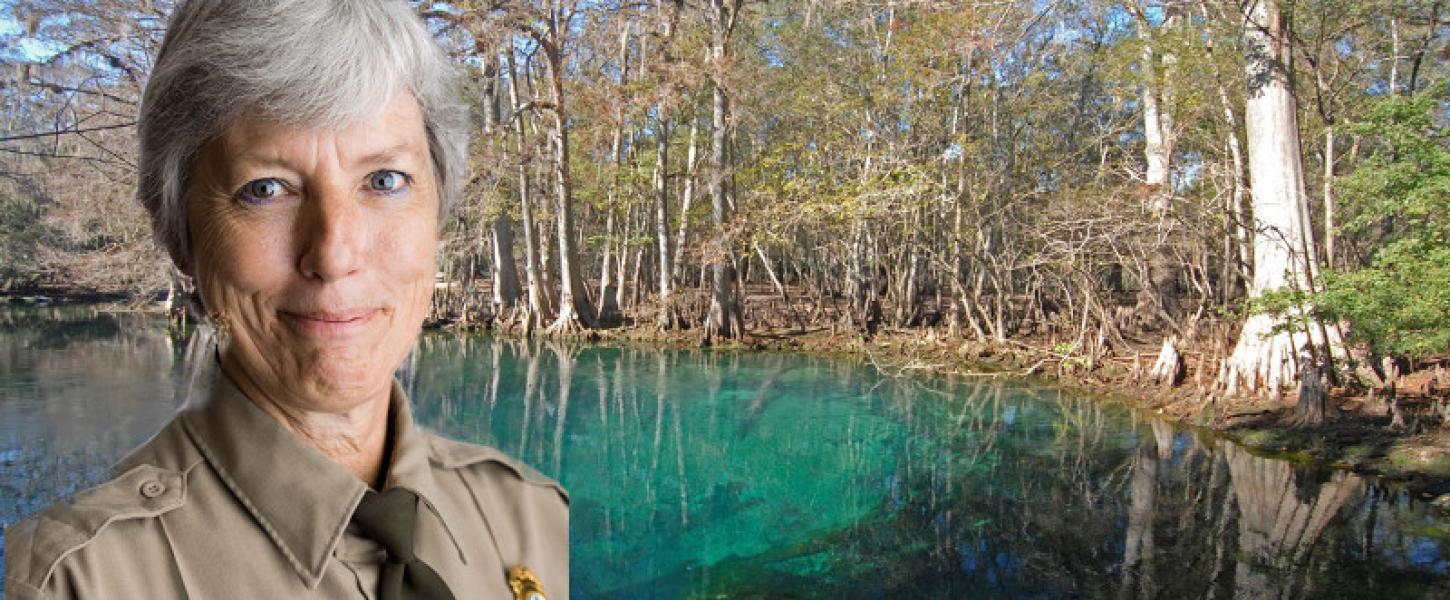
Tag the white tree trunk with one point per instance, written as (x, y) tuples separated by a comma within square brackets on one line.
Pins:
[(686, 199), (1283, 244), (1169, 369), (1157, 149), (574, 308), (1158, 297)]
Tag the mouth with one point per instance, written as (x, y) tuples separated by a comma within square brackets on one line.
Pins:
[(330, 323)]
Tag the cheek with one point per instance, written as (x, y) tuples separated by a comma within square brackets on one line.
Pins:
[(408, 258), (233, 259)]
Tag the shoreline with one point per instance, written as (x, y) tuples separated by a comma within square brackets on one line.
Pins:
[(1417, 457), (1352, 441)]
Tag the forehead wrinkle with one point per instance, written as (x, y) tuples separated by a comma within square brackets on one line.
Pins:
[(390, 134), (260, 144)]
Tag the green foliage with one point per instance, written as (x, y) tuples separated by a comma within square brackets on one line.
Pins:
[(1400, 301), (1400, 304)]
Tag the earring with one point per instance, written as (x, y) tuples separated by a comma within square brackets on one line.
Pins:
[(223, 326)]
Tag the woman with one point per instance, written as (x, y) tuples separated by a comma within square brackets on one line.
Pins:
[(296, 159)]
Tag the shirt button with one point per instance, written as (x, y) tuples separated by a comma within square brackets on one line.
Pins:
[(152, 488)]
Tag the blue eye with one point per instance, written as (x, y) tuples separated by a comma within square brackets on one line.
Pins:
[(262, 190), (388, 182)]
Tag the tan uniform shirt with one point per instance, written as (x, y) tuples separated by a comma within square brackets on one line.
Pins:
[(225, 503)]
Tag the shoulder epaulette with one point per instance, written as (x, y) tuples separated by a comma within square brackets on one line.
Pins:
[(36, 546)]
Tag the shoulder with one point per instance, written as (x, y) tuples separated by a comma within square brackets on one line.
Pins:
[(36, 547), (489, 463), (150, 482), (525, 514)]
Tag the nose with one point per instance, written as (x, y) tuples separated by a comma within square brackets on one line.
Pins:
[(330, 232)]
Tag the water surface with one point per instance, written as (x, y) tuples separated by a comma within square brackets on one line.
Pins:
[(710, 474)]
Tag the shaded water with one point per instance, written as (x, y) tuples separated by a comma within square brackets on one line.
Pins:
[(775, 475)]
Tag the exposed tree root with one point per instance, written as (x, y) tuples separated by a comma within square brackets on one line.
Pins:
[(570, 322), (1267, 362), (1170, 369), (670, 318)]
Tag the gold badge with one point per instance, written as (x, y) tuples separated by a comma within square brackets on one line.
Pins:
[(524, 584)]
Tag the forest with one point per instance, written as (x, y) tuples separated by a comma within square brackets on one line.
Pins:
[(1262, 185)]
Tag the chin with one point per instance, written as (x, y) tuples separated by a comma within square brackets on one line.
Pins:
[(342, 377)]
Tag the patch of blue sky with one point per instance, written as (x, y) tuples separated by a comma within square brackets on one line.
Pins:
[(1188, 173), (1066, 36), (24, 47), (33, 50), (1345, 47)]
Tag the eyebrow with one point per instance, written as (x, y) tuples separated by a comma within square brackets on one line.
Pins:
[(386, 154), (376, 157)]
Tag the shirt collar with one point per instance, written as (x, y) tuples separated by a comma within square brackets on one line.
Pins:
[(300, 497), (412, 465)]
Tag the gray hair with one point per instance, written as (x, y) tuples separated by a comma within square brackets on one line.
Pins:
[(306, 62)]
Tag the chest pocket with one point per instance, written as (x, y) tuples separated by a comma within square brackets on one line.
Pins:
[(523, 522)]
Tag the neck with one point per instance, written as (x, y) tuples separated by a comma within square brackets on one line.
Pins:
[(356, 438)]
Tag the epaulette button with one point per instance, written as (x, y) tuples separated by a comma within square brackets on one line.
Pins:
[(152, 488)]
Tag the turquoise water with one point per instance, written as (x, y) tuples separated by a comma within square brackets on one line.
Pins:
[(718, 474)]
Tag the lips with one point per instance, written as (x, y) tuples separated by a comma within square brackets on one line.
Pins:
[(330, 323)]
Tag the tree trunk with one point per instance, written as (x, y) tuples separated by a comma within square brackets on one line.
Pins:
[(1158, 146), (608, 306), (688, 198), (538, 300), (1242, 244), (1394, 56), (575, 310), (506, 290), (1283, 244), (669, 314), (1313, 406), (725, 319), (1169, 370), (1158, 299), (1328, 185)]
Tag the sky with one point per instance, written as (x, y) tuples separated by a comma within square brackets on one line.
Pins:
[(14, 46)]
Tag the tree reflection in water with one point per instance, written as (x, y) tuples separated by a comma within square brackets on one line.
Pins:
[(698, 473), (1280, 518)]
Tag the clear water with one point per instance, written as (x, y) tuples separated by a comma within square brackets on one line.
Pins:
[(713, 474)]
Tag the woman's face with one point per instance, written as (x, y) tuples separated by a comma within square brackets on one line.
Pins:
[(315, 247)]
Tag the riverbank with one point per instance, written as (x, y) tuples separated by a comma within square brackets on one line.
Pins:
[(1416, 456), (1355, 437)]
